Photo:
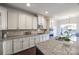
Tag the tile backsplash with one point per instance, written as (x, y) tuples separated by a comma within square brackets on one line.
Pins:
[(17, 33), (12, 33)]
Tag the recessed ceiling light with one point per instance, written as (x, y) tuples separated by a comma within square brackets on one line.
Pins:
[(46, 12), (28, 4)]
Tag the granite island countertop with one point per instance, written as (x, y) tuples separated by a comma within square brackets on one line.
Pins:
[(55, 47)]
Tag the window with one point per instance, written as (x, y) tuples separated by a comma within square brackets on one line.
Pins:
[(69, 29)]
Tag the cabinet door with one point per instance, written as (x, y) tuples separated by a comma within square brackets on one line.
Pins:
[(47, 36), (32, 42), (26, 43), (3, 18), (22, 18), (37, 39), (12, 19), (39, 20), (44, 37), (28, 22), (44, 22), (17, 45), (41, 38), (7, 47), (34, 22), (0, 21)]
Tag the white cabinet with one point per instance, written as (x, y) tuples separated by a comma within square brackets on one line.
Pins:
[(17, 45), (34, 22), (44, 37), (22, 18), (12, 19), (32, 41), (28, 21), (0, 21), (42, 21), (26, 43), (1, 47), (39, 20), (47, 36), (37, 40), (41, 38), (3, 18), (7, 47)]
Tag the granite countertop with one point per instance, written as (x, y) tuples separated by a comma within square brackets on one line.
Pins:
[(54, 47)]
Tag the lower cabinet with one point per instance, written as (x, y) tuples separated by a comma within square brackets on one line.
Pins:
[(44, 37), (41, 38), (47, 36), (17, 45), (7, 47), (37, 40), (32, 41), (26, 43)]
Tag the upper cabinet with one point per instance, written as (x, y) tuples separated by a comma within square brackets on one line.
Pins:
[(28, 21), (3, 18), (44, 22), (41, 22), (12, 19), (22, 21), (34, 24)]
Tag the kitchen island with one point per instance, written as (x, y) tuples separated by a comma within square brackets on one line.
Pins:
[(55, 47)]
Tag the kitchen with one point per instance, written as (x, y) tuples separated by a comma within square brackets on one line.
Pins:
[(26, 32)]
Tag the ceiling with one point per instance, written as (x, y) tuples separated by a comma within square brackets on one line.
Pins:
[(56, 10)]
